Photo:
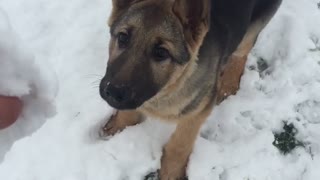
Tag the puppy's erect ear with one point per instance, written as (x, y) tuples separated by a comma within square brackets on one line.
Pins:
[(195, 18), (119, 6)]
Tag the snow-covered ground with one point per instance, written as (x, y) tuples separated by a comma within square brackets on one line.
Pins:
[(236, 142)]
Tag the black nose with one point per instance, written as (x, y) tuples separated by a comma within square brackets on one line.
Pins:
[(117, 93)]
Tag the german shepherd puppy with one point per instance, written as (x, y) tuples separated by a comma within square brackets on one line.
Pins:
[(175, 60)]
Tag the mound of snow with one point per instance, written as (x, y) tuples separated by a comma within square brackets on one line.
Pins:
[(21, 76)]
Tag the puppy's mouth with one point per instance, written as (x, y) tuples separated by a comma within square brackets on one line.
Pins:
[(120, 105)]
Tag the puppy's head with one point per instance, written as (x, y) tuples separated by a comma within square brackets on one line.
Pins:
[(152, 41)]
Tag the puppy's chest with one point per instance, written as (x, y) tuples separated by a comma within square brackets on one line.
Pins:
[(171, 106)]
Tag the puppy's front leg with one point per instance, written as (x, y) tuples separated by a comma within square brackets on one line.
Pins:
[(177, 151), (120, 120), (229, 81)]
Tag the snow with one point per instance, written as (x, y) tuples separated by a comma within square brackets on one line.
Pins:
[(235, 143), (21, 76)]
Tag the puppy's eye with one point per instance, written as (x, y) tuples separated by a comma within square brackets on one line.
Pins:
[(161, 54), (123, 39)]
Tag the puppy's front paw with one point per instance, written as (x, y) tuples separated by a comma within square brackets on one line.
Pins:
[(172, 173), (119, 121), (173, 166), (111, 127)]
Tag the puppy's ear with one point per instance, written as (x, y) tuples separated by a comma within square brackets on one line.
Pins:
[(118, 7), (195, 18), (120, 4)]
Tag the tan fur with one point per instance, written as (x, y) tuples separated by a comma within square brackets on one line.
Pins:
[(170, 96), (177, 151), (229, 81)]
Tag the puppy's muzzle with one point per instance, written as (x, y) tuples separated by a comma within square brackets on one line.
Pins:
[(118, 96)]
